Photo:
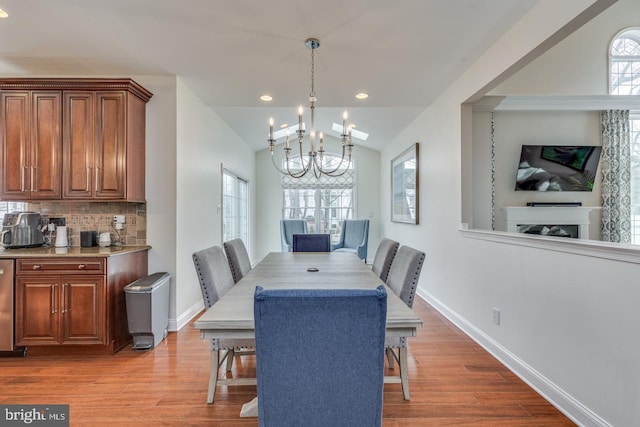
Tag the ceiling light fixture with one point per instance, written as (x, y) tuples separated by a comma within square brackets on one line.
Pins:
[(3, 14), (362, 95), (266, 98), (315, 161)]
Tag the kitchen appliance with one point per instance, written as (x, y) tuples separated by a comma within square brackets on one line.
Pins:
[(88, 238), (21, 230), (61, 237), (7, 347), (105, 240)]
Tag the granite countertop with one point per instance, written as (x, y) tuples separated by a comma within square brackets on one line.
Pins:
[(73, 251)]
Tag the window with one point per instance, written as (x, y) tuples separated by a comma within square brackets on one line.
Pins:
[(624, 79), (624, 63), (323, 202), (235, 207)]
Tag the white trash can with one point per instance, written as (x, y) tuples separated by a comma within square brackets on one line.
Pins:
[(147, 301)]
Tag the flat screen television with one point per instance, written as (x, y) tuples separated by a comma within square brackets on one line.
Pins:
[(557, 167)]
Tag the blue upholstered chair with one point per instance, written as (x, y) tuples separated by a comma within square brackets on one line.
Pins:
[(385, 254), (354, 237), (238, 258), (403, 281), (289, 227), (298, 334), (215, 280), (311, 243)]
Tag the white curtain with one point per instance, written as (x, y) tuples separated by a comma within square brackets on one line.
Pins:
[(616, 176)]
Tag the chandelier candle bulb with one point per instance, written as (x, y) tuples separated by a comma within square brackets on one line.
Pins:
[(345, 115), (271, 128), (300, 118)]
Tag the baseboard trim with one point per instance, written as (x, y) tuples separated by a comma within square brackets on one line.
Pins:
[(184, 318), (568, 405)]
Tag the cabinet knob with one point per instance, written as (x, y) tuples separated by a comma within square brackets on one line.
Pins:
[(37, 266), (81, 266)]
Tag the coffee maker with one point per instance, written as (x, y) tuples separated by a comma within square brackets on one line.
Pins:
[(21, 230)]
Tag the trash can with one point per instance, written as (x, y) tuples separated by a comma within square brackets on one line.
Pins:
[(147, 301)]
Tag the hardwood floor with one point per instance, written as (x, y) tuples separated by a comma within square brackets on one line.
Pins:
[(454, 382)]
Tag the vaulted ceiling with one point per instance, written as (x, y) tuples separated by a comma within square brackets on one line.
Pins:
[(403, 53)]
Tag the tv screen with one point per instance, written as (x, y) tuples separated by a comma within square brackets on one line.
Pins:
[(557, 167)]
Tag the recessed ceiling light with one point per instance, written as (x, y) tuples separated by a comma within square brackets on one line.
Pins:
[(266, 98), (3, 14), (284, 125), (362, 95)]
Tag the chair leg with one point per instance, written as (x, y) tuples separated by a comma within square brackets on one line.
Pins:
[(213, 375), (404, 374), (230, 355), (390, 357)]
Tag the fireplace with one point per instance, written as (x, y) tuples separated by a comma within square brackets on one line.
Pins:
[(562, 221)]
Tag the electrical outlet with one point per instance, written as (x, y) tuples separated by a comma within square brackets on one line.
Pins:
[(118, 219), (57, 221), (496, 316)]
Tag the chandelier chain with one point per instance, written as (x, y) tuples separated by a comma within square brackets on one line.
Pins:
[(312, 94)]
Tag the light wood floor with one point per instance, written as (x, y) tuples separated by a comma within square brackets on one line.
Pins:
[(454, 382)]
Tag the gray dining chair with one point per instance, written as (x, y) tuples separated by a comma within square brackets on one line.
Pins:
[(215, 280), (311, 243), (385, 253), (289, 227), (403, 281), (238, 258), (314, 325), (354, 237)]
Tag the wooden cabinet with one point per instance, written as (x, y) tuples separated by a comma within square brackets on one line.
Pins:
[(60, 310), (97, 127), (31, 145), (65, 304)]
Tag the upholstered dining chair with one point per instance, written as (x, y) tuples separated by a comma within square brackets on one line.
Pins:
[(403, 281), (384, 256), (215, 280), (238, 258), (311, 243), (312, 326), (289, 227), (354, 237)]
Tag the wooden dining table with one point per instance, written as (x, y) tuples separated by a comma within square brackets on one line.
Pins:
[(232, 315)]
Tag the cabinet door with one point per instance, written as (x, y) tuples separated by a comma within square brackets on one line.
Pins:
[(110, 147), (37, 310), (14, 144), (45, 171), (83, 310), (78, 116)]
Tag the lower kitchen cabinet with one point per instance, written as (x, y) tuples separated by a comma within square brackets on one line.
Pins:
[(74, 305), (60, 310)]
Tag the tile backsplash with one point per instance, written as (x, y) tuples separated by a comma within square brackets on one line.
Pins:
[(97, 216)]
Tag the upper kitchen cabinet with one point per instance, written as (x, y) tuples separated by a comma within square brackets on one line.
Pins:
[(102, 126), (31, 145)]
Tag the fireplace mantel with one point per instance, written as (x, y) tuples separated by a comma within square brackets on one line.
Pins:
[(549, 215)]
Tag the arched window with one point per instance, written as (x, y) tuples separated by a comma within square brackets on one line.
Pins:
[(624, 79), (624, 63), (324, 201)]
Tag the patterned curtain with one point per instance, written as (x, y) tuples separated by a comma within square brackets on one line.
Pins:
[(616, 176)]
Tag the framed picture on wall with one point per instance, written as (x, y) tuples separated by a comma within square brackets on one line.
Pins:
[(405, 186)]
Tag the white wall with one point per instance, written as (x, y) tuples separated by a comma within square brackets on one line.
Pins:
[(203, 143), (568, 320), (269, 196), (160, 177)]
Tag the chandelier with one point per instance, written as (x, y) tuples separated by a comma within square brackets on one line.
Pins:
[(315, 160)]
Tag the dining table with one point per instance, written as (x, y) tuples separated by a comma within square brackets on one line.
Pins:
[(232, 315)]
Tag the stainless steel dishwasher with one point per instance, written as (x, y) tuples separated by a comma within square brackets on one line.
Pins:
[(7, 309)]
